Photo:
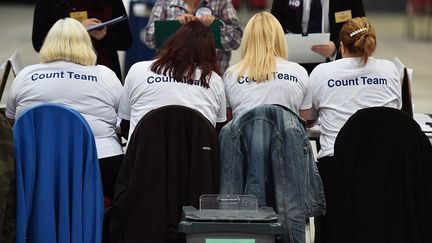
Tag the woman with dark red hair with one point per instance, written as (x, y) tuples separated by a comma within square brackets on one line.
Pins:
[(184, 73)]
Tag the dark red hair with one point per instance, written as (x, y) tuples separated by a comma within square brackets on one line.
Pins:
[(190, 48)]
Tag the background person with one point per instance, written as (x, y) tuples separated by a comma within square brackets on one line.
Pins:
[(67, 75), (184, 11), (182, 74), (264, 75), (106, 41), (342, 87), (317, 16)]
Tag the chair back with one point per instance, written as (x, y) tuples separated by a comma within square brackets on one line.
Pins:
[(266, 152), (382, 183), (171, 160), (59, 190)]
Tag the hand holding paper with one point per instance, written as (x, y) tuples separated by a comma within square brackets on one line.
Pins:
[(105, 24), (95, 33), (207, 20), (325, 50), (185, 18), (300, 47)]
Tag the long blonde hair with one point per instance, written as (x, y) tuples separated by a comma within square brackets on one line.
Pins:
[(358, 38), (68, 40), (263, 41)]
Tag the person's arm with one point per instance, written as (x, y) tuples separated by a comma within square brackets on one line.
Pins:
[(43, 20), (11, 122), (327, 50), (231, 32), (97, 35), (118, 36), (229, 114), (310, 116), (124, 108), (158, 13), (220, 125)]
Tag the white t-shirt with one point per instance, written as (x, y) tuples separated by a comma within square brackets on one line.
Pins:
[(289, 88), (145, 90), (94, 91), (342, 87)]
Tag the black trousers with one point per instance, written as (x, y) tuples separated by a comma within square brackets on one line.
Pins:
[(110, 167), (323, 223)]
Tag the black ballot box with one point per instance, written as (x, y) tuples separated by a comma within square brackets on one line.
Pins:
[(229, 219)]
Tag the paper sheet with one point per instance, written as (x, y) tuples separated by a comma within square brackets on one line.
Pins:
[(424, 121), (299, 47)]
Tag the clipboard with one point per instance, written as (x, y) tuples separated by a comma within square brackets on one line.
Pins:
[(107, 23), (165, 28)]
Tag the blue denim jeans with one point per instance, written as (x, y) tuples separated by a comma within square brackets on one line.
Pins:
[(266, 152)]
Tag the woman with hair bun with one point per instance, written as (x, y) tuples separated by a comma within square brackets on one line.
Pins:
[(356, 81), (342, 87)]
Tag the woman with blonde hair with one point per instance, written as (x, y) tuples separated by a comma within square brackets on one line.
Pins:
[(264, 75), (106, 41), (68, 42), (342, 87), (67, 75)]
